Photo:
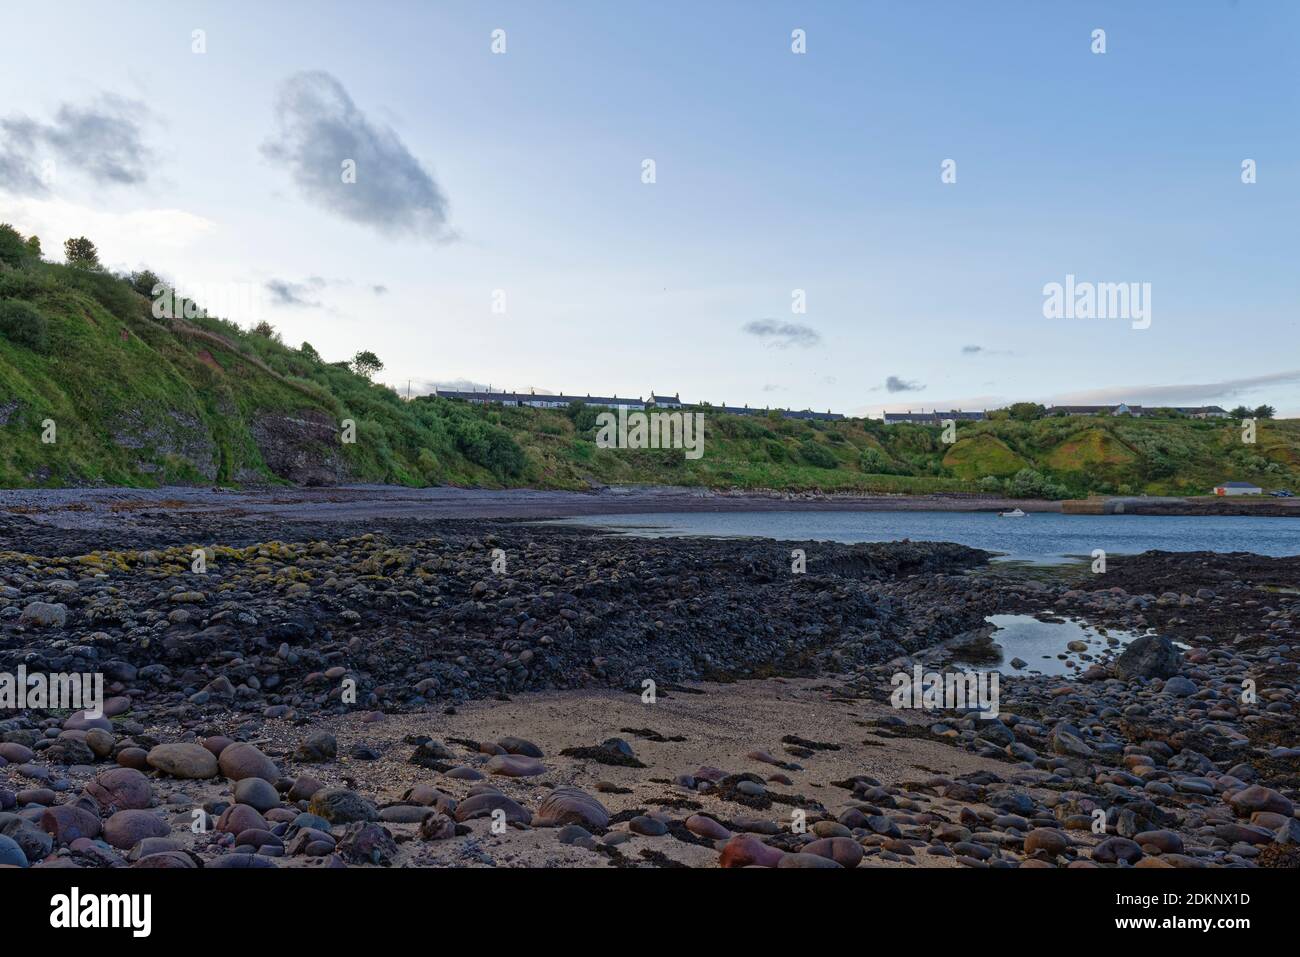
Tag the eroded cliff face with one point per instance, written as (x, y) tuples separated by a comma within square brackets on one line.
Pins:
[(302, 447), (154, 442)]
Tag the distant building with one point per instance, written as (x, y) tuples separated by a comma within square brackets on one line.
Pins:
[(533, 400), (1238, 488), (934, 417)]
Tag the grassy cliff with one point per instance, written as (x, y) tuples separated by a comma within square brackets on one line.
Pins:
[(135, 400)]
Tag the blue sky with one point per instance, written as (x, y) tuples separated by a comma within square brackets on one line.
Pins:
[(522, 172)]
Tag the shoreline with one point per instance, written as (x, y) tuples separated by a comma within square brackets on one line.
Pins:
[(111, 507), (771, 737)]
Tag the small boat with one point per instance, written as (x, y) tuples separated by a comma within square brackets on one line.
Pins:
[(1014, 513)]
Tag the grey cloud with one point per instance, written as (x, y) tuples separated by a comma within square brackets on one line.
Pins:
[(286, 293), (103, 140), (782, 335), (895, 384), (318, 127), (1178, 394), (971, 350)]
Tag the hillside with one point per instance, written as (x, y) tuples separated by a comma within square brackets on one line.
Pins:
[(136, 400)]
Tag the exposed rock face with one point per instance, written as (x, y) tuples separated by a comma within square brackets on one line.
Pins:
[(302, 447), (173, 435)]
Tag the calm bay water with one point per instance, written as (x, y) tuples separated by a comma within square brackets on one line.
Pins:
[(1041, 537)]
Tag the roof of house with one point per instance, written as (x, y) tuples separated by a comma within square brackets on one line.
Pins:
[(1237, 485)]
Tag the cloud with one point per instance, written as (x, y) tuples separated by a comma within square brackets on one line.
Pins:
[(145, 235), (103, 140), (1178, 394), (379, 289), (318, 129), (895, 384), (286, 293), (427, 386), (783, 335), (971, 350)]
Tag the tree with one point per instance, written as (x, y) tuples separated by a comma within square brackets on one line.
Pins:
[(1240, 412), (81, 253), (365, 363), (34, 246), (144, 282), (12, 248), (1265, 412), (1026, 411)]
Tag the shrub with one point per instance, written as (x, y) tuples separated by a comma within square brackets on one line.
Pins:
[(875, 462), (818, 455), (13, 251), (22, 325)]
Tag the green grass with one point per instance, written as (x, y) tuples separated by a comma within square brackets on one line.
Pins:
[(139, 402)]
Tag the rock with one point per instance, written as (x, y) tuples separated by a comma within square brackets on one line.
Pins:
[(341, 806), (69, 822), (10, 853), (704, 826), (844, 851), (647, 826), (35, 843), (484, 803), (317, 747), (1167, 842), (1116, 849), (41, 614), (1048, 840), (463, 773), (367, 843), (241, 761), (121, 789), (1179, 687), (189, 761), (303, 788), (1259, 798), (14, 752), (1063, 742), (239, 818), (1149, 656), (805, 860), (513, 745), (566, 805), (435, 826), (515, 766), (257, 794), (127, 828), (745, 850)]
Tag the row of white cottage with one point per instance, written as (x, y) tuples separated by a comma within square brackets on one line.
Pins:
[(543, 401)]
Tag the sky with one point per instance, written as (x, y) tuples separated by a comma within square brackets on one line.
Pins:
[(914, 181)]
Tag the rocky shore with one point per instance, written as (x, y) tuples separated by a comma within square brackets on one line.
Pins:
[(396, 692)]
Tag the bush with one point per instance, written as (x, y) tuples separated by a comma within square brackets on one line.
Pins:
[(776, 451), (13, 250), (22, 325), (489, 446), (874, 462), (1028, 483), (818, 455)]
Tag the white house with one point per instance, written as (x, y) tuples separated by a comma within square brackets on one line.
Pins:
[(1238, 488)]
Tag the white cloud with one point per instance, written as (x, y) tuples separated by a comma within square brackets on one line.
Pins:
[(135, 236)]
